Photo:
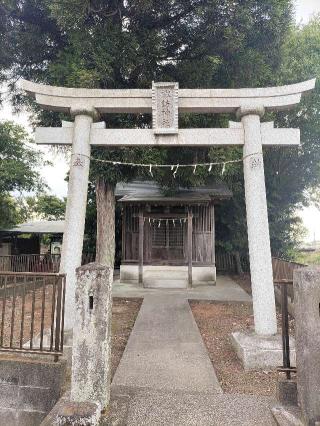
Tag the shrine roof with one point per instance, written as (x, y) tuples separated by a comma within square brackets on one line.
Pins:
[(37, 227), (151, 192)]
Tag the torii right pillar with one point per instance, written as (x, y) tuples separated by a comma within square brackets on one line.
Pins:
[(257, 223)]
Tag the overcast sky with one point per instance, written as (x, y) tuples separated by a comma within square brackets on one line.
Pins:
[(305, 9), (54, 176)]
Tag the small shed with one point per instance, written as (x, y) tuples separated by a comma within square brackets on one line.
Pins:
[(13, 241), (168, 240)]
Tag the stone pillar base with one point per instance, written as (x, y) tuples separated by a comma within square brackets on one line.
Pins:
[(258, 352), (71, 413)]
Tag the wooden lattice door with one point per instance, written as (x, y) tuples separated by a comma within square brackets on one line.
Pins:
[(167, 241)]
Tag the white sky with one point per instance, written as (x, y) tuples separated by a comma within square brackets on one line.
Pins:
[(55, 175), (305, 9)]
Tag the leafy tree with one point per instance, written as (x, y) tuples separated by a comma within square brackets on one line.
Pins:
[(10, 211), (200, 43), (293, 175), (18, 170), (50, 207), (42, 206)]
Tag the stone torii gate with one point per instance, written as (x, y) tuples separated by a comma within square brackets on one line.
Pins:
[(165, 101)]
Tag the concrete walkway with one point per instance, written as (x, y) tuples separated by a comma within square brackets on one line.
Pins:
[(165, 376), (226, 289), (165, 350)]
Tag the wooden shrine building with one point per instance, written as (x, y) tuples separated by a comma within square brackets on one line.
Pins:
[(168, 239)]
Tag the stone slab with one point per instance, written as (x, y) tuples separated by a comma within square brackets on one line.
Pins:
[(165, 350), (71, 413), (226, 289), (155, 408), (256, 352), (287, 415)]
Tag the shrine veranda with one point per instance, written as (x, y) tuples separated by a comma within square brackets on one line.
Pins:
[(165, 101)]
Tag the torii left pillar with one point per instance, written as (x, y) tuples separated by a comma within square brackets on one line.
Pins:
[(76, 206)]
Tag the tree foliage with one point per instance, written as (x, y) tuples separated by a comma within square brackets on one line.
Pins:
[(44, 207), (18, 170), (293, 175), (200, 43)]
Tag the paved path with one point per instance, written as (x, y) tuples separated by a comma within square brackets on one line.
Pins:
[(165, 376), (165, 350), (225, 290)]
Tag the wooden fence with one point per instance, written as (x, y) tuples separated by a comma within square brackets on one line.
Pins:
[(227, 262), (283, 269)]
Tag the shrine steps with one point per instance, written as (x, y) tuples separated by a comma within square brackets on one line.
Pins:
[(168, 276), (165, 278)]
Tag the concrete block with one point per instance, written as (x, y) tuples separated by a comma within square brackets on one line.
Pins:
[(9, 396), (30, 418), (39, 374), (29, 389), (204, 274), (287, 392), (14, 417), (307, 327), (9, 372), (9, 417), (39, 399), (129, 273), (155, 276), (258, 352)]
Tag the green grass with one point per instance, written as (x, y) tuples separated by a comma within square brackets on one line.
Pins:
[(309, 258)]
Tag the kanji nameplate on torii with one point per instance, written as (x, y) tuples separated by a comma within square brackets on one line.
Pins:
[(165, 108)]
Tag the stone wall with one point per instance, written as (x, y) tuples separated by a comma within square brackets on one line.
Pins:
[(28, 389)]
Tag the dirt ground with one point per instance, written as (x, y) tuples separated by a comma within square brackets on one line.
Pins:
[(124, 314), (216, 321), (24, 312)]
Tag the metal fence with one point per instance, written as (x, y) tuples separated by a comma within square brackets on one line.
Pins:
[(32, 313), (285, 333), (37, 262), (283, 281)]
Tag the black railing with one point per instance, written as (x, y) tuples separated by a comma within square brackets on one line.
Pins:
[(32, 313), (285, 331)]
